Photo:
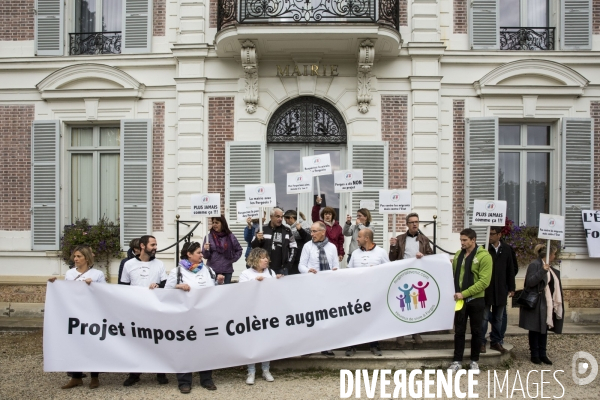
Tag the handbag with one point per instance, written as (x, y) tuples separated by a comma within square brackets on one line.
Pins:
[(527, 298)]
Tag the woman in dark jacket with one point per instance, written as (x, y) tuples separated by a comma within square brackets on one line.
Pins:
[(221, 248), (549, 312)]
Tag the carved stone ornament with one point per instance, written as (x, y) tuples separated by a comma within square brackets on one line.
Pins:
[(366, 56), (250, 65)]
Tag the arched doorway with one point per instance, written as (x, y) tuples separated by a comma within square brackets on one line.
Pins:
[(302, 127)]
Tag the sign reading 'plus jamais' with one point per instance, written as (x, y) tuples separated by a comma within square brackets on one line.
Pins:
[(308, 70)]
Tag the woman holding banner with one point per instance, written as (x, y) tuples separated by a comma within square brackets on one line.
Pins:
[(191, 273), (363, 220), (259, 271), (334, 231), (548, 312), (221, 248), (83, 257)]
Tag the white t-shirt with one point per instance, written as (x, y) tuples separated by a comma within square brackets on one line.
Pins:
[(412, 247), (375, 256), (143, 273), (198, 280), (251, 274), (310, 257), (93, 274)]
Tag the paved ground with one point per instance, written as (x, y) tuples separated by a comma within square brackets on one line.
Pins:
[(22, 377)]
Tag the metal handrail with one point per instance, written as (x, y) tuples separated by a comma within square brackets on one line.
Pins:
[(187, 237)]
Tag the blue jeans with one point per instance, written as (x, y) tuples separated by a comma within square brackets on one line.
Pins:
[(494, 317), (252, 367), (504, 325)]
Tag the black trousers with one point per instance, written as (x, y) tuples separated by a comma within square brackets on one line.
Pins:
[(472, 310), (79, 375), (138, 375), (186, 378), (537, 344)]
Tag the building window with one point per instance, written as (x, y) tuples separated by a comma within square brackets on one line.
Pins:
[(524, 25), (525, 156), (95, 173), (97, 27)]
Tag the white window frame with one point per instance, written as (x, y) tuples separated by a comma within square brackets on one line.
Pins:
[(523, 14), (95, 150), (523, 149)]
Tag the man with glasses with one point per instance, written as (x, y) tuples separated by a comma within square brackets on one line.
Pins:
[(502, 284), (278, 240), (412, 244)]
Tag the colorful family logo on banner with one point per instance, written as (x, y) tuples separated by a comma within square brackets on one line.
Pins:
[(244, 213), (299, 182), (317, 165), (552, 227), (348, 181), (262, 195), (206, 205), (394, 201), (413, 295), (591, 227), (489, 212)]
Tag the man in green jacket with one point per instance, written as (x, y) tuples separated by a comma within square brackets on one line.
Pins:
[(472, 267)]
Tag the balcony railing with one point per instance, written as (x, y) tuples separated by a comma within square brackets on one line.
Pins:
[(385, 12), (95, 43), (519, 38)]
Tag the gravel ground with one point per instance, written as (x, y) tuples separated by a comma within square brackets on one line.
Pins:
[(22, 377)]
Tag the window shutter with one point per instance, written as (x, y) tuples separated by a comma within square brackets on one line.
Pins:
[(577, 179), (372, 158), (244, 166), (136, 179), (576, 25), (481, 168), (137, 26), (49, 34), (483, 24), (44, 186)]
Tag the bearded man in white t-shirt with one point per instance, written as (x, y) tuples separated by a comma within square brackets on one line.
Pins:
[(146, 271)]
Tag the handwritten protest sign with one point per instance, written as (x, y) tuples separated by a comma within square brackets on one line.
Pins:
[(206, 205), (489, 212), (317, 165), (394, 201), (348, 181), (552, 227), (262, 195), (299, 182), (244, 213)]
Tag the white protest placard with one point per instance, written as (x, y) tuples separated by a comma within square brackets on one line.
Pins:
[(244, 213), (206, 205), (262, 195), (368, 204), (317, 165), (591, 227), (489, 212), (395, 201), (134, 329), (299, 182), (552, 227), (348, 181)]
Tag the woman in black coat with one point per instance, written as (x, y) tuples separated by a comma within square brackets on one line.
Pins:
[(549, 312)]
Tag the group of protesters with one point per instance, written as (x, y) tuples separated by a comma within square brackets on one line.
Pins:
[(483, 278)]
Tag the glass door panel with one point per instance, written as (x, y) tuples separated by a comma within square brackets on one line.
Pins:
[(538, 167), (326, 181), (284, 162), (509, 184)]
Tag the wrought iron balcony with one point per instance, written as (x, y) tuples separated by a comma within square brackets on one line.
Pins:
[(231, 12), (95, 43), (520, 38)]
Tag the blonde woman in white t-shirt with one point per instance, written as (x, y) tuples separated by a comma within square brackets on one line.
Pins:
[(259, 270), (83, 257)]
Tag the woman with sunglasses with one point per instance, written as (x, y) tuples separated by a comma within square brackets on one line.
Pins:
[(83, 257), (192, 274), (221, 248)]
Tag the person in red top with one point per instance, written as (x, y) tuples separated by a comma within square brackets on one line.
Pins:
[(334, 230)]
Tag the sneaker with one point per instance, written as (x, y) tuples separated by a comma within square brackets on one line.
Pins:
[(267, 376), (328, 353), (473, 366), (455, 366), (162, 379), (375, 351), (350, 352), (131, 379), (250, 378)]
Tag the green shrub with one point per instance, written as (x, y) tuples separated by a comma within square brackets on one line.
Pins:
[(523, 240)]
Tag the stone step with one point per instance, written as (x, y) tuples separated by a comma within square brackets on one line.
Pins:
[(430, 342), (391, 359)]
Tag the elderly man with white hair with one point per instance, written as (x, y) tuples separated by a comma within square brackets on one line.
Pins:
[(279, 242)]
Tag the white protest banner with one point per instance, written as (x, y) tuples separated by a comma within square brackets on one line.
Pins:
[(317, 165), (489, 212), (116, 328), (552, 227), (368, 204), (262, 195), (206, 205), (591, 226), (394, 201), (299, 182), (348, 181), (244, 213)]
